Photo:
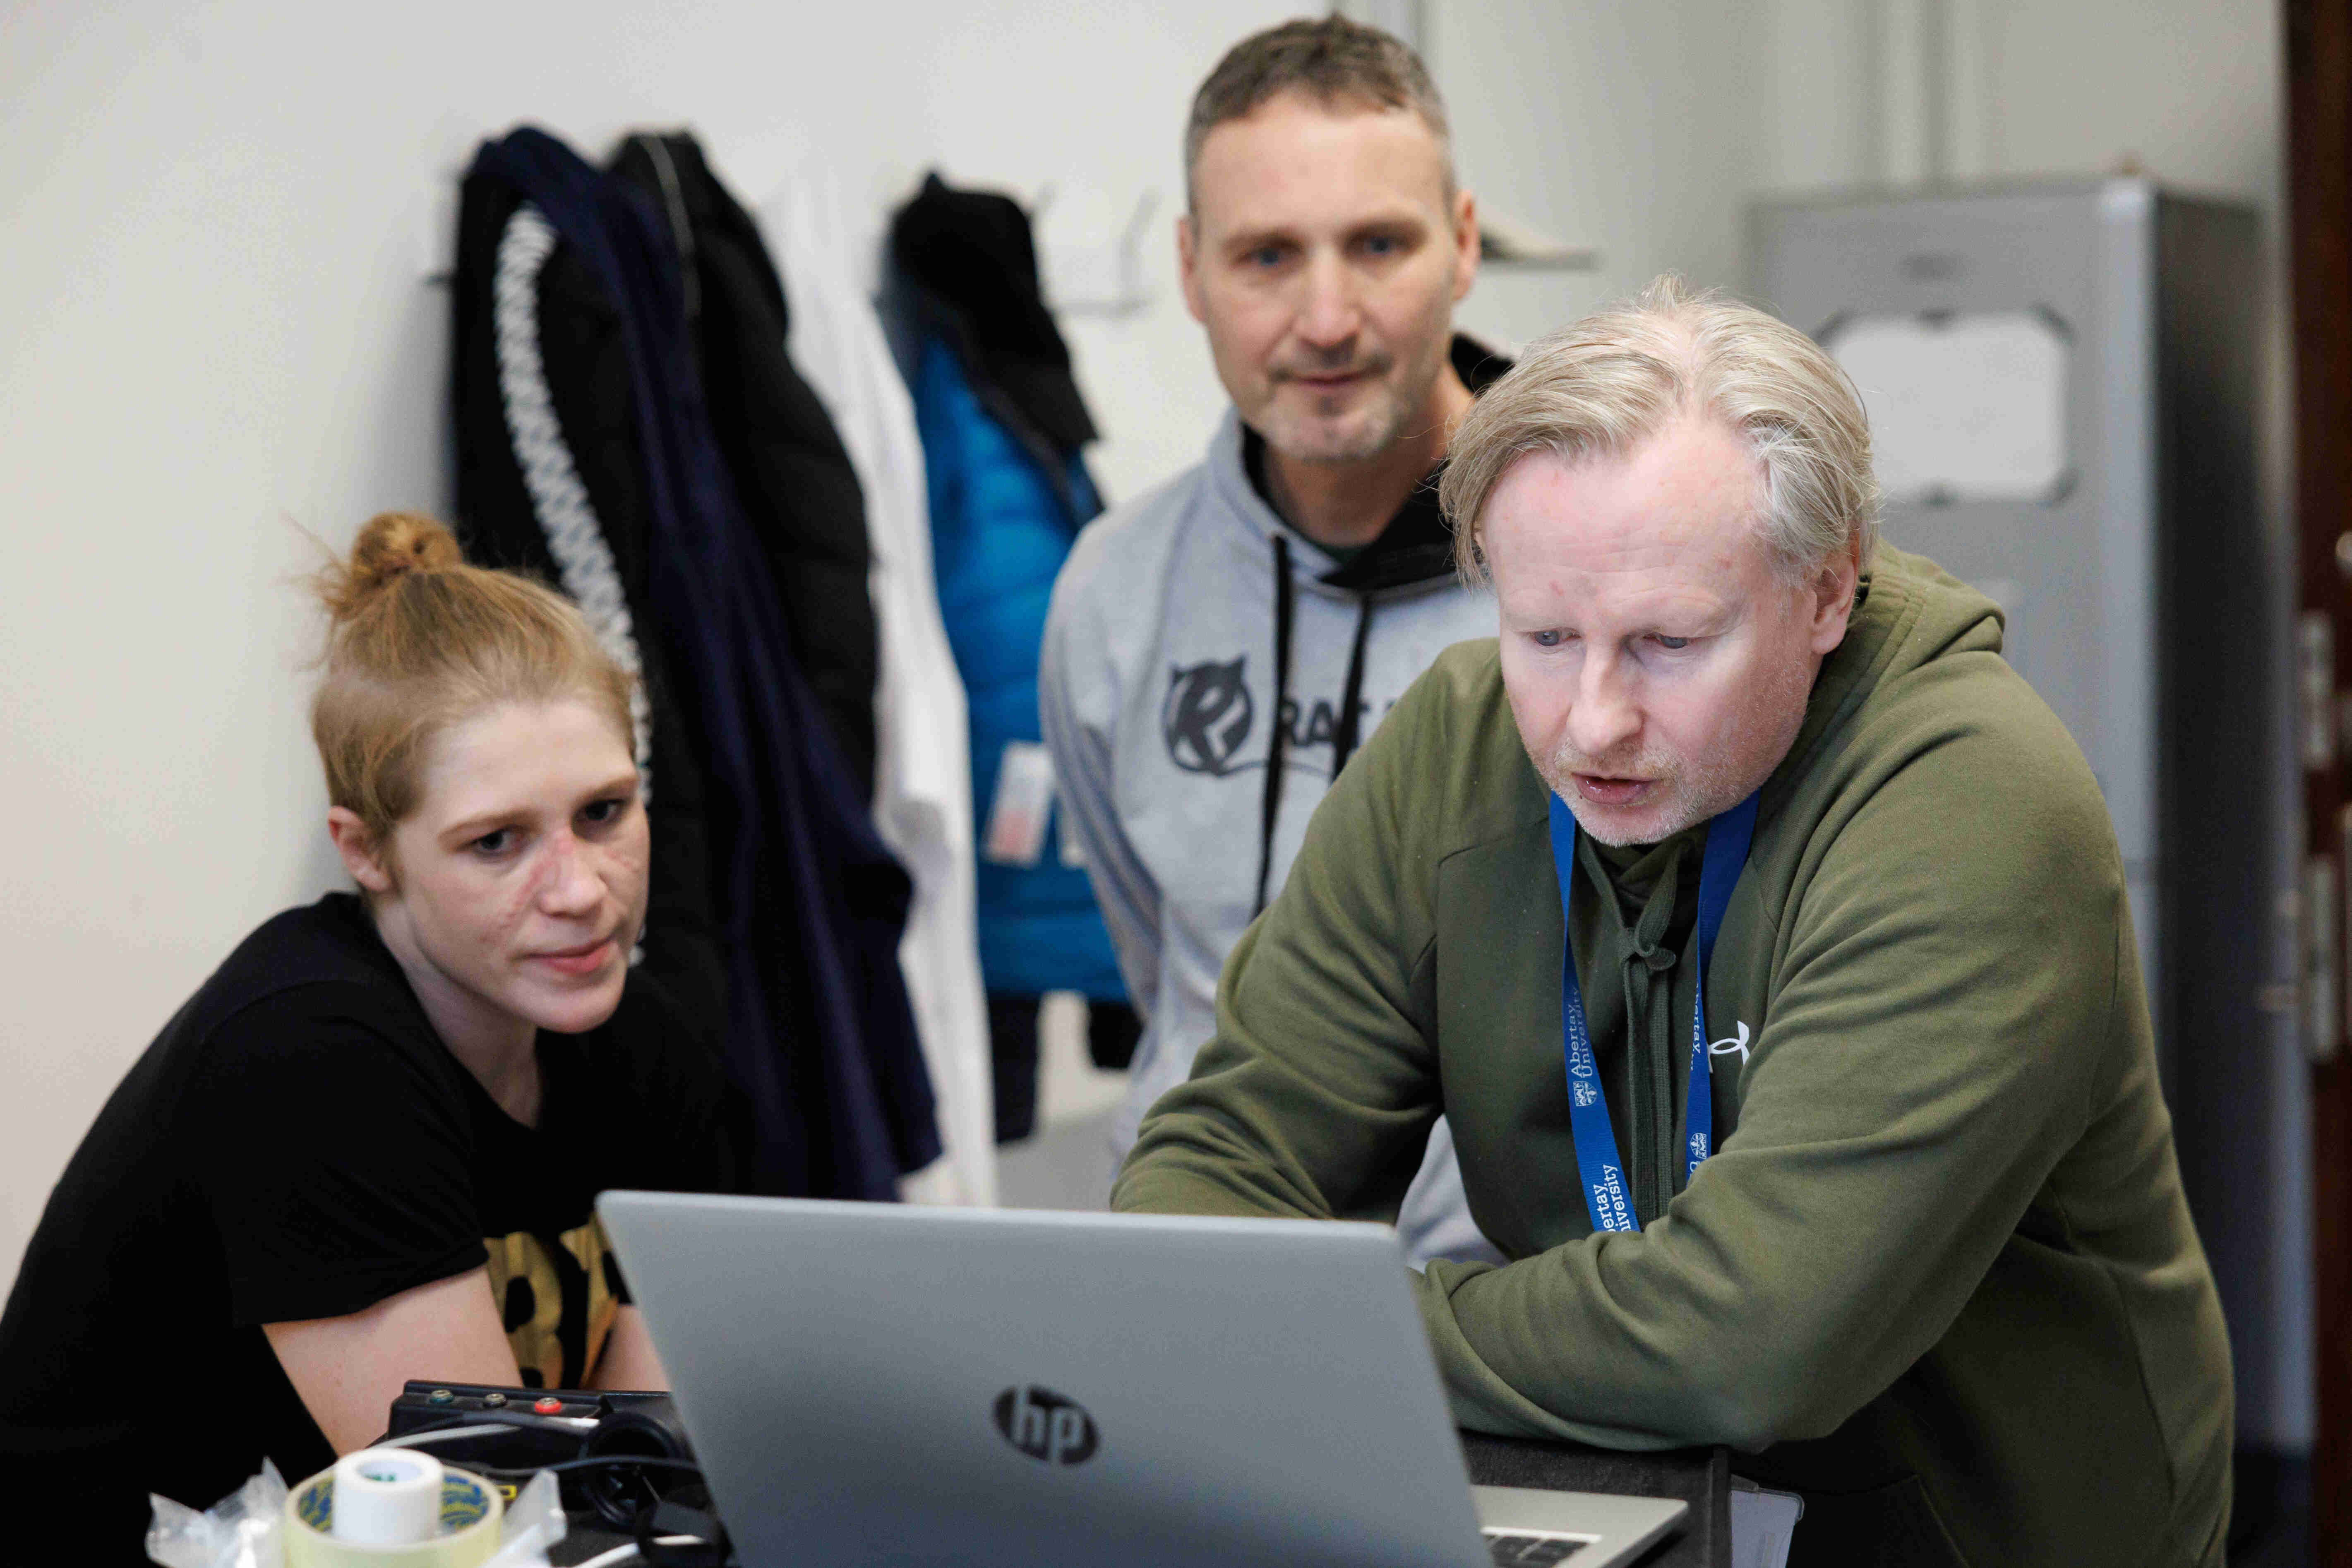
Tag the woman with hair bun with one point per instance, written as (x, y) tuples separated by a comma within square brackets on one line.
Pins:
[(368, 1148)]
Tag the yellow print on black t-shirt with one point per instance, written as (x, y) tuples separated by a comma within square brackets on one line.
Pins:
[(557, 1299)]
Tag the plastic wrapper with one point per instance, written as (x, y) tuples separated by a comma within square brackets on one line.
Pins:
[(535, 1522), (241, 1531), (247, 1528)]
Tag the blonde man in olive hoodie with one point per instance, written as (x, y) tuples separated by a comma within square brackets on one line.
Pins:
[(1896, 1211)]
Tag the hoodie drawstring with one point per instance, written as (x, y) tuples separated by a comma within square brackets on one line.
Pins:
[(1345, 732), (1284, 609)]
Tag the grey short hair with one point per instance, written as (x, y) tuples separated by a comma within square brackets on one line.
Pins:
[(1333, 60), (1621, 374)]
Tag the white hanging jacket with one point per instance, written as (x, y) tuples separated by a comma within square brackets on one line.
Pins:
[(922, 805)]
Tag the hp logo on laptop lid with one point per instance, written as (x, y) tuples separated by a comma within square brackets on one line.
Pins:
[(1046, 1426)]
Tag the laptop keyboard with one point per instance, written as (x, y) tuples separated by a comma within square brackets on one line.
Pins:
[(1530, 1551)]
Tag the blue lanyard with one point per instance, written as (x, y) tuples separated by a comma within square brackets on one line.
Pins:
[(1606, 1197)]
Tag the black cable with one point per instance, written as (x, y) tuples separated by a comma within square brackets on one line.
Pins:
[(497, 1473), (612, 1503), (668, 1517), (479, 1418)]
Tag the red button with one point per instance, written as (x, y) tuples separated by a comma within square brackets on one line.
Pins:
[(549, 1407)]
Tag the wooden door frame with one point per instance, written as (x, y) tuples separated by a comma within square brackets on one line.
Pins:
[(2319, 188)]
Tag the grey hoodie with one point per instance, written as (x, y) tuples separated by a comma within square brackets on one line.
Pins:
[(1159, 683)]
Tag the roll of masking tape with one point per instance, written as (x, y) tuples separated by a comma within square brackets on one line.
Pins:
[(392, 1508), (387, 1497)]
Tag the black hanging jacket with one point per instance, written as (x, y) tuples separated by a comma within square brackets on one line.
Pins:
[(806, 904), (550, 481), (793, 481), (967, 264)]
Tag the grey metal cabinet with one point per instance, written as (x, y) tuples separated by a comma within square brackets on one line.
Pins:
[(2062, 384), (2122, 541)]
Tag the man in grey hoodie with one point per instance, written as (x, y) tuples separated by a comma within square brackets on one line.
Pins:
[(1218, 648)]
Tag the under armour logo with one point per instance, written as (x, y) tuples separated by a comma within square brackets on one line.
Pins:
[(1207, 716), (1726, 1047)]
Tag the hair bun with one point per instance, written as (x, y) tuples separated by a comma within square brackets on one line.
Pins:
[(390, 546)]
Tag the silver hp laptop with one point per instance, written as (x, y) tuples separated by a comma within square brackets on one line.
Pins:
[(868, 1383)]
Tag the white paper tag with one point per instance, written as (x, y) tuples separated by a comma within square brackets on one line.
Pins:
[(1025, 798), (1761, 1524)]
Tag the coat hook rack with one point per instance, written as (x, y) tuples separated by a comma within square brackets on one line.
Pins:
[(1513, 246), (1101, 279)]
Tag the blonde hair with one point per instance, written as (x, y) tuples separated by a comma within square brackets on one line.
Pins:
[(418, 640), (1603, 385)]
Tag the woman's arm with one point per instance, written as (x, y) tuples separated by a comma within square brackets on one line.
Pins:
[(628, 1359), (348, 1369)]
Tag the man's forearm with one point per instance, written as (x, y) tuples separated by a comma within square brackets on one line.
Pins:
[(1174, 1171)]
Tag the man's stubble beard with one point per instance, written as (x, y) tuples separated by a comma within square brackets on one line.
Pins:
[(1394, 406), (1303, 438), (1695, 792)]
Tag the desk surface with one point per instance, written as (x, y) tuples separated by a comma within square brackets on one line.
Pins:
[(1700, 1477)]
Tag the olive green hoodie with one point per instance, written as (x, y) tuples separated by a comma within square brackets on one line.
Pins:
[(1938, 1275)]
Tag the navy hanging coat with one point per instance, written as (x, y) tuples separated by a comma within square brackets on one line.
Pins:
[(807, 905)]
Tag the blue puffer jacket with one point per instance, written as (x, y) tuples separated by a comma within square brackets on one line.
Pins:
[(999, 529)]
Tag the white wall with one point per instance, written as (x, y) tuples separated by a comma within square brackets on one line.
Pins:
[(2188, 89), (1630, 127), (214, 327)]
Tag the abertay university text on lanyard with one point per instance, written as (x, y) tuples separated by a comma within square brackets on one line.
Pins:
[(1605, 1193)]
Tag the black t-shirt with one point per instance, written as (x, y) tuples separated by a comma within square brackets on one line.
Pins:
[(298, 1144)]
